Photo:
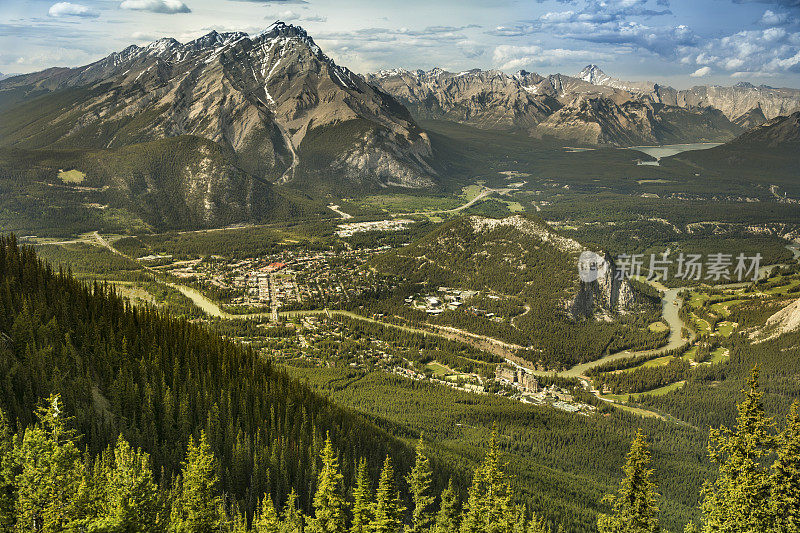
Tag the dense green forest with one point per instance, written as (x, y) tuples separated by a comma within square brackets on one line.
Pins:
[(157, 381), (178, 408)]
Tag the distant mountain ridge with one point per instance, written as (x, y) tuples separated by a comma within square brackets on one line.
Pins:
[(735, 102), (592, 108)]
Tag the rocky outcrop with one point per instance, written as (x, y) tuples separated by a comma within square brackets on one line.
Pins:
[(751, 119), (786, 320), (609, 294)]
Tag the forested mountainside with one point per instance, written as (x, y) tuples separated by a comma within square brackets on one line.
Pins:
[(773, 145), (157, 381), (527, 266)]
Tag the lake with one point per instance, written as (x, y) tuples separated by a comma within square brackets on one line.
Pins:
[(668, 150)]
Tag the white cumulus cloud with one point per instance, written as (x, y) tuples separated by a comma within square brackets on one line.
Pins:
[(68, 9), (702, 71), (771, 18), (509, 57), (156, 6)]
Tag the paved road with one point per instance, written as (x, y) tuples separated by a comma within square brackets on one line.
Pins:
[(481, 195)]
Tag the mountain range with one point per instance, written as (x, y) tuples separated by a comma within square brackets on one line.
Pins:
[(232, 127), (591, 108)]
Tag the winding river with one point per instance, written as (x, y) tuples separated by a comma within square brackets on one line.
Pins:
[(670, 306)]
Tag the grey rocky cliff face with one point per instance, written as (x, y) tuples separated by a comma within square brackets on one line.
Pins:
[(608, 295)]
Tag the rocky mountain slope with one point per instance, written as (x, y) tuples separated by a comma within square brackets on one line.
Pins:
[(781, 132), (784, 321), (592, 108), (768, 154), (751, 119), (258, 96), (487, 99), (736, 101), (740, 103), (600, 120)]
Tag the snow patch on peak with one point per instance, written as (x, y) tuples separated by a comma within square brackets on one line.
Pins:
[(162, 45), (593, 75)]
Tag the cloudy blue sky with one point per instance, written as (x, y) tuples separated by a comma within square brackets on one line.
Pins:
[(681, 42)]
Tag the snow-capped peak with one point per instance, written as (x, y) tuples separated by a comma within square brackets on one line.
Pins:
[(162, 45), (593, 75), (215, 39)]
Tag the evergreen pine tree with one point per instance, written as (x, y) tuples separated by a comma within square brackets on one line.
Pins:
[(537, 525), (130, 495), (489, 504), (267, 519), (447, 517), (388, 507), (329, 504), (52, 474), (197, 507), (634, 508), (292, 517), (362, 500), (736, 500), (520, 522), (786, 476), (7, 474), (238, 523), (419, 483)]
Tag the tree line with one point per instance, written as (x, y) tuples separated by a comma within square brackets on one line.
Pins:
[(757, 488), (48, 484)]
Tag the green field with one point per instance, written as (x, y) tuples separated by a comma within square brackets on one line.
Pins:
[(471, 191), (658, 327), (719, 355), (635, 396), (701, 324), (408, 203), (439, 370), (71, 176), (723, 308), (514, 207), (697, 299), (726, 328)]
